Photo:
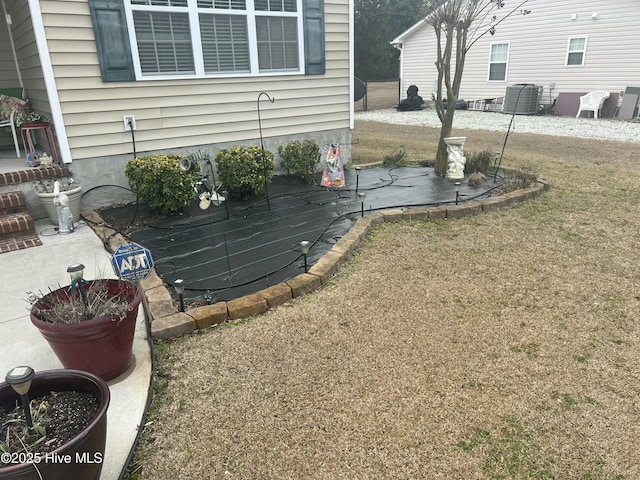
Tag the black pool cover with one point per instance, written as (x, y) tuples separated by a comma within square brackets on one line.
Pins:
[(240, 248)]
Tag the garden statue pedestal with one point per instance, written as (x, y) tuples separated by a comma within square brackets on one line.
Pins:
[(455, 150)]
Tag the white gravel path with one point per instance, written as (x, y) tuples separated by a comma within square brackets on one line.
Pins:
[(604, 129)]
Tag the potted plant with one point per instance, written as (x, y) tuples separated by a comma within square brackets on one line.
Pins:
[(23, 118), (46, 191), (89, 325), (68, 444)]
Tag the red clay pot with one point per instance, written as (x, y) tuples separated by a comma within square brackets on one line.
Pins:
[(86, 450), (101, 346)]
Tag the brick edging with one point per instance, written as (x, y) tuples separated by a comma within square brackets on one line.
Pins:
[(167, 323)]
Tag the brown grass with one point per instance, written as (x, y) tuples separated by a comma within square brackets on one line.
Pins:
[(499, 346), (380, 95)]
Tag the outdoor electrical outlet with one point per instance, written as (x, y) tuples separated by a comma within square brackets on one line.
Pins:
[(129, 122)]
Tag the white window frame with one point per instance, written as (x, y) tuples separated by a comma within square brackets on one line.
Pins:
[(193, 11), (506, 62), (569, 51)]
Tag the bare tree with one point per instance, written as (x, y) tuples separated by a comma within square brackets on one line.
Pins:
[(458, 25)]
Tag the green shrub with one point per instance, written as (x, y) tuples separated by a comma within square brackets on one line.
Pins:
[(159, 182), (242, 170), (300, 159), (479, 162)]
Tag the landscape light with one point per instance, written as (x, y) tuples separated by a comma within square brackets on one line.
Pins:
[(361, 196), (457, 185), (76, 272), (179, 287), (20, 380), (305, 246)]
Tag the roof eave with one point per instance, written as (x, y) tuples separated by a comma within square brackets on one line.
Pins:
[(399, 40)]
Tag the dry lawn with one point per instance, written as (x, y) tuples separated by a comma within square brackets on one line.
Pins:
[(380, 95), (500, 346)]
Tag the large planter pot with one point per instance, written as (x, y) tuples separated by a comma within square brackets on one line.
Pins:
[(85, 451), (75, 196), (102, 346)]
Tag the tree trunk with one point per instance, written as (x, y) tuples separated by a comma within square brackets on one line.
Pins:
[(442, 158)]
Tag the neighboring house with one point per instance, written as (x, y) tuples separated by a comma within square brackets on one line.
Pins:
[(568, 48), (189, 71)]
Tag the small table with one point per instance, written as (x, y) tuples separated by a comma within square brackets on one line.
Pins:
[(27, 141)]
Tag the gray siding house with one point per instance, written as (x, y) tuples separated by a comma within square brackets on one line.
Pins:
[(567, 48)]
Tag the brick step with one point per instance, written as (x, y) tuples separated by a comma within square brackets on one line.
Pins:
[(20, 241), (33, 175), (12, 202), (17, 229), (15, 223)]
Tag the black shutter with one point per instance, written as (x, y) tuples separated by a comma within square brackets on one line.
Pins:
[(314, 37), (112, 40)]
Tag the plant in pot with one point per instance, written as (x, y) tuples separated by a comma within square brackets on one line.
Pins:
[(53, 424), (89, 324), (23, 118), (48, 195)]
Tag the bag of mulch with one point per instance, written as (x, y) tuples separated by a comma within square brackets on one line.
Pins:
[(333, 175)]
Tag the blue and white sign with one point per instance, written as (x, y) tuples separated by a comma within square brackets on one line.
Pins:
[(132, 262)]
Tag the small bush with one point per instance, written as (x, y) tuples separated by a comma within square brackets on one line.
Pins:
[(479, 162), (396, 159), (159, 182), (300, 159), (242, 170), (517, 179)]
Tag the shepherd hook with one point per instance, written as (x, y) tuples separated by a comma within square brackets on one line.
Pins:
[(264, 158)]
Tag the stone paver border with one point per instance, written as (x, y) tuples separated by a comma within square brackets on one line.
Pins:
[(167, 323)]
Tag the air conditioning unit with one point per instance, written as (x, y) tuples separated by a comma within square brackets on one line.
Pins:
[(522, 98)]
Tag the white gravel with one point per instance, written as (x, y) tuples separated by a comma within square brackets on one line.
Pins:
[(603, 129)]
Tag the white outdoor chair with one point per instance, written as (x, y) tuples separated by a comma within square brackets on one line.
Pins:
[(9, 108), (10, 122), (592, 102)]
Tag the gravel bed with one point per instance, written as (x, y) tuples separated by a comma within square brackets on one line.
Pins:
[(603, 129)]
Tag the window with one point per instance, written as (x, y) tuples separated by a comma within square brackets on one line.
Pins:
[(234, 36), (498, 58), (204, 38), (576, 50), (164, 42)]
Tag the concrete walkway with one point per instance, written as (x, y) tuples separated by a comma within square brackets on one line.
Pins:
[(40, 268)]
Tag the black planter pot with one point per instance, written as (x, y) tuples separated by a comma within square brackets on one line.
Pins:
[(85, 451)]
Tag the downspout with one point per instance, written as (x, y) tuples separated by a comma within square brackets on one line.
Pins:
[(7, 18), (398, 46), (351, 68), (49, 80)]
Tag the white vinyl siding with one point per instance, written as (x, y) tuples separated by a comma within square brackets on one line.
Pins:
[(576, 51), (538, 50), (189, 113), (196, 38), (498, 61)]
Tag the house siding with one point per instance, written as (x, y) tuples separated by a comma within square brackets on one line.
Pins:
[(28, 58), (7, 65), (178, 114), (538, 48)]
